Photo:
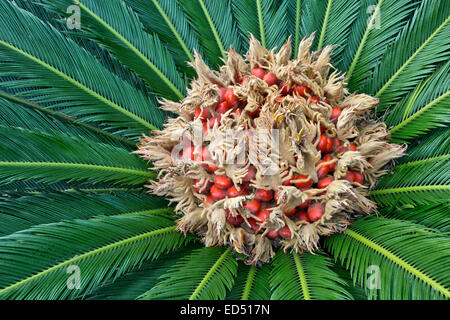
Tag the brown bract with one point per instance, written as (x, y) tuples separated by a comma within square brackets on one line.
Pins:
[(288, 127)]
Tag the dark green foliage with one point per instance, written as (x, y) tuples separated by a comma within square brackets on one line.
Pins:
[(73, 104)]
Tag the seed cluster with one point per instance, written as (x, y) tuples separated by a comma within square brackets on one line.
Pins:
[(329, 152)]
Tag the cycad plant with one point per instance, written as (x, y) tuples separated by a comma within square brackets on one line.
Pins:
[(81, 81)]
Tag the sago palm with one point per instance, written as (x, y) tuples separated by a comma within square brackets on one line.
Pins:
[(76, 218)]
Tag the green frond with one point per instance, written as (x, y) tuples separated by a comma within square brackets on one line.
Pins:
[(421, 45), (133, 284), (100, 249), (416, 182), (168, 21), (426, 108), (312, 18), (21, 113), (305, 276), (206, 273), (381, 27), (251, 283), (215, 27), (22, 211), (434, 144), (294, 16), (265, 19), (48, 66), (116, 27), (435, 216), (26, 155), (411, 262), (339, 17)]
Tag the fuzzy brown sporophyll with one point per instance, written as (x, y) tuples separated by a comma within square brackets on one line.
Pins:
[(269, 153)]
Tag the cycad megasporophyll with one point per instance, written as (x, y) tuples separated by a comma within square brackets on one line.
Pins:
[(76, 95)]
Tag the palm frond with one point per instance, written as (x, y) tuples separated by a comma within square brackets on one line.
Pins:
[(391, 15), (416, 182), (339, 17), (265, 19), (412, 262), (312, 18), (168, 21), (49, 67), (251, 283), (421, 45), (435, 216), (305, 276), (19, 211), (294, 16), (117, 27), (426, 108), (206, 273), (21, 113), (215, 27), (135, 283), (29, 155), (100, 249), (434, 144)]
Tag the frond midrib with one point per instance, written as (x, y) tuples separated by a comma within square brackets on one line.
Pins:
[(301, 275), (325, 24), (431, 104), (397, 260), (80, 86), (143, 173), (88, 254), (262, 31), (410, 189), (173, 29), (138, 53), (249, 283), (362, 42), (213, 28), (422, 161), (209, 274), (410, 59)]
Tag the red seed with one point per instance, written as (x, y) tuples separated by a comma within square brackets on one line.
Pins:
[(209, 199), (255, 113), (335, 113), (285, 232), (327, 158), (202, 114), (233, 192), (301, 214), (203, 155), (253, 206), (258, 72), (329, 144), (349, 176), (230, 97), (322, 184), (223, 181), (198, 186), (234, 220), (358, 177), (303, 184), (222, 107), (285, 90), (222, 92), (315, 211), (262, 215), (243, 79), (251, 174), (290, 212), (270, 78), (305, 204), (214, 120), (217, 193), (188, 153), (324, 99), (336, 144), (314, 100), (276, 196), (264, 195), (323, 170), (322, 145), (272, 234), (301, 90), (255, 226)]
